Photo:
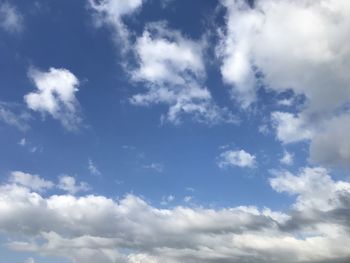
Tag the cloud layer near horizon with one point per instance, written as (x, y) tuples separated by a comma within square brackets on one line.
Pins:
[(94, 227)]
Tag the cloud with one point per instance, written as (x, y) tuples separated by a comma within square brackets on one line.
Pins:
[(93, 168), (95, 228), (11, 19), (287, 158), (11, 114), (332, 145), (22, 142), (238, 158), (167, 199), (29, 260), (290, 128), (111, 13), (68, 184), (158, 167), (298, 60), (311, 61), (172, 68), (30, 181), (55, 95)]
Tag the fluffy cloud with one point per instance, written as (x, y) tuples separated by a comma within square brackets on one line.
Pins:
[(96, 228), (30, 181), (290, 128), (11, 19), (55, 95), (68, 184), (311, 60), (236, 158), (172, 68)]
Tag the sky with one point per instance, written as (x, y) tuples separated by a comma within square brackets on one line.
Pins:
[(151, 131)]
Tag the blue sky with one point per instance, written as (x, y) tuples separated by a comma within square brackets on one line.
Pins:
[(135, 129)]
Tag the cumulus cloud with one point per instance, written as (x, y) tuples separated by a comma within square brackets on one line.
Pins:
[(290, 128), (311, 60), (30, 181), (238, 158), (172, 68), (55, 95), (69, 184), (95, 228), (11, 19)]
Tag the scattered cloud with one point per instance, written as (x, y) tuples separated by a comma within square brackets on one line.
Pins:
[(55, 95), (23, 142), (188, 198), (13, 115), (33, 182), (111, 13), (93, 168), (167, 199), (290, 128), (286, 102), (287, 158), (157, 167), (238, 158), (68, 184), (11, 19), (93, 227), (172, 68)]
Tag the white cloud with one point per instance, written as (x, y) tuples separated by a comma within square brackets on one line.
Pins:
[(30, 181), (12, 115), (310, 60), (93, 168), (172, 68), (286, 102), (313, 186), (68, 184), (290, 128), (238, 158), (11, 19), (94, 228), (111, 13), (287, 158), (55, 95)]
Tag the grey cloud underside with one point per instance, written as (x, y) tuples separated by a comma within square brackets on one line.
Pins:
[(91, 227)]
